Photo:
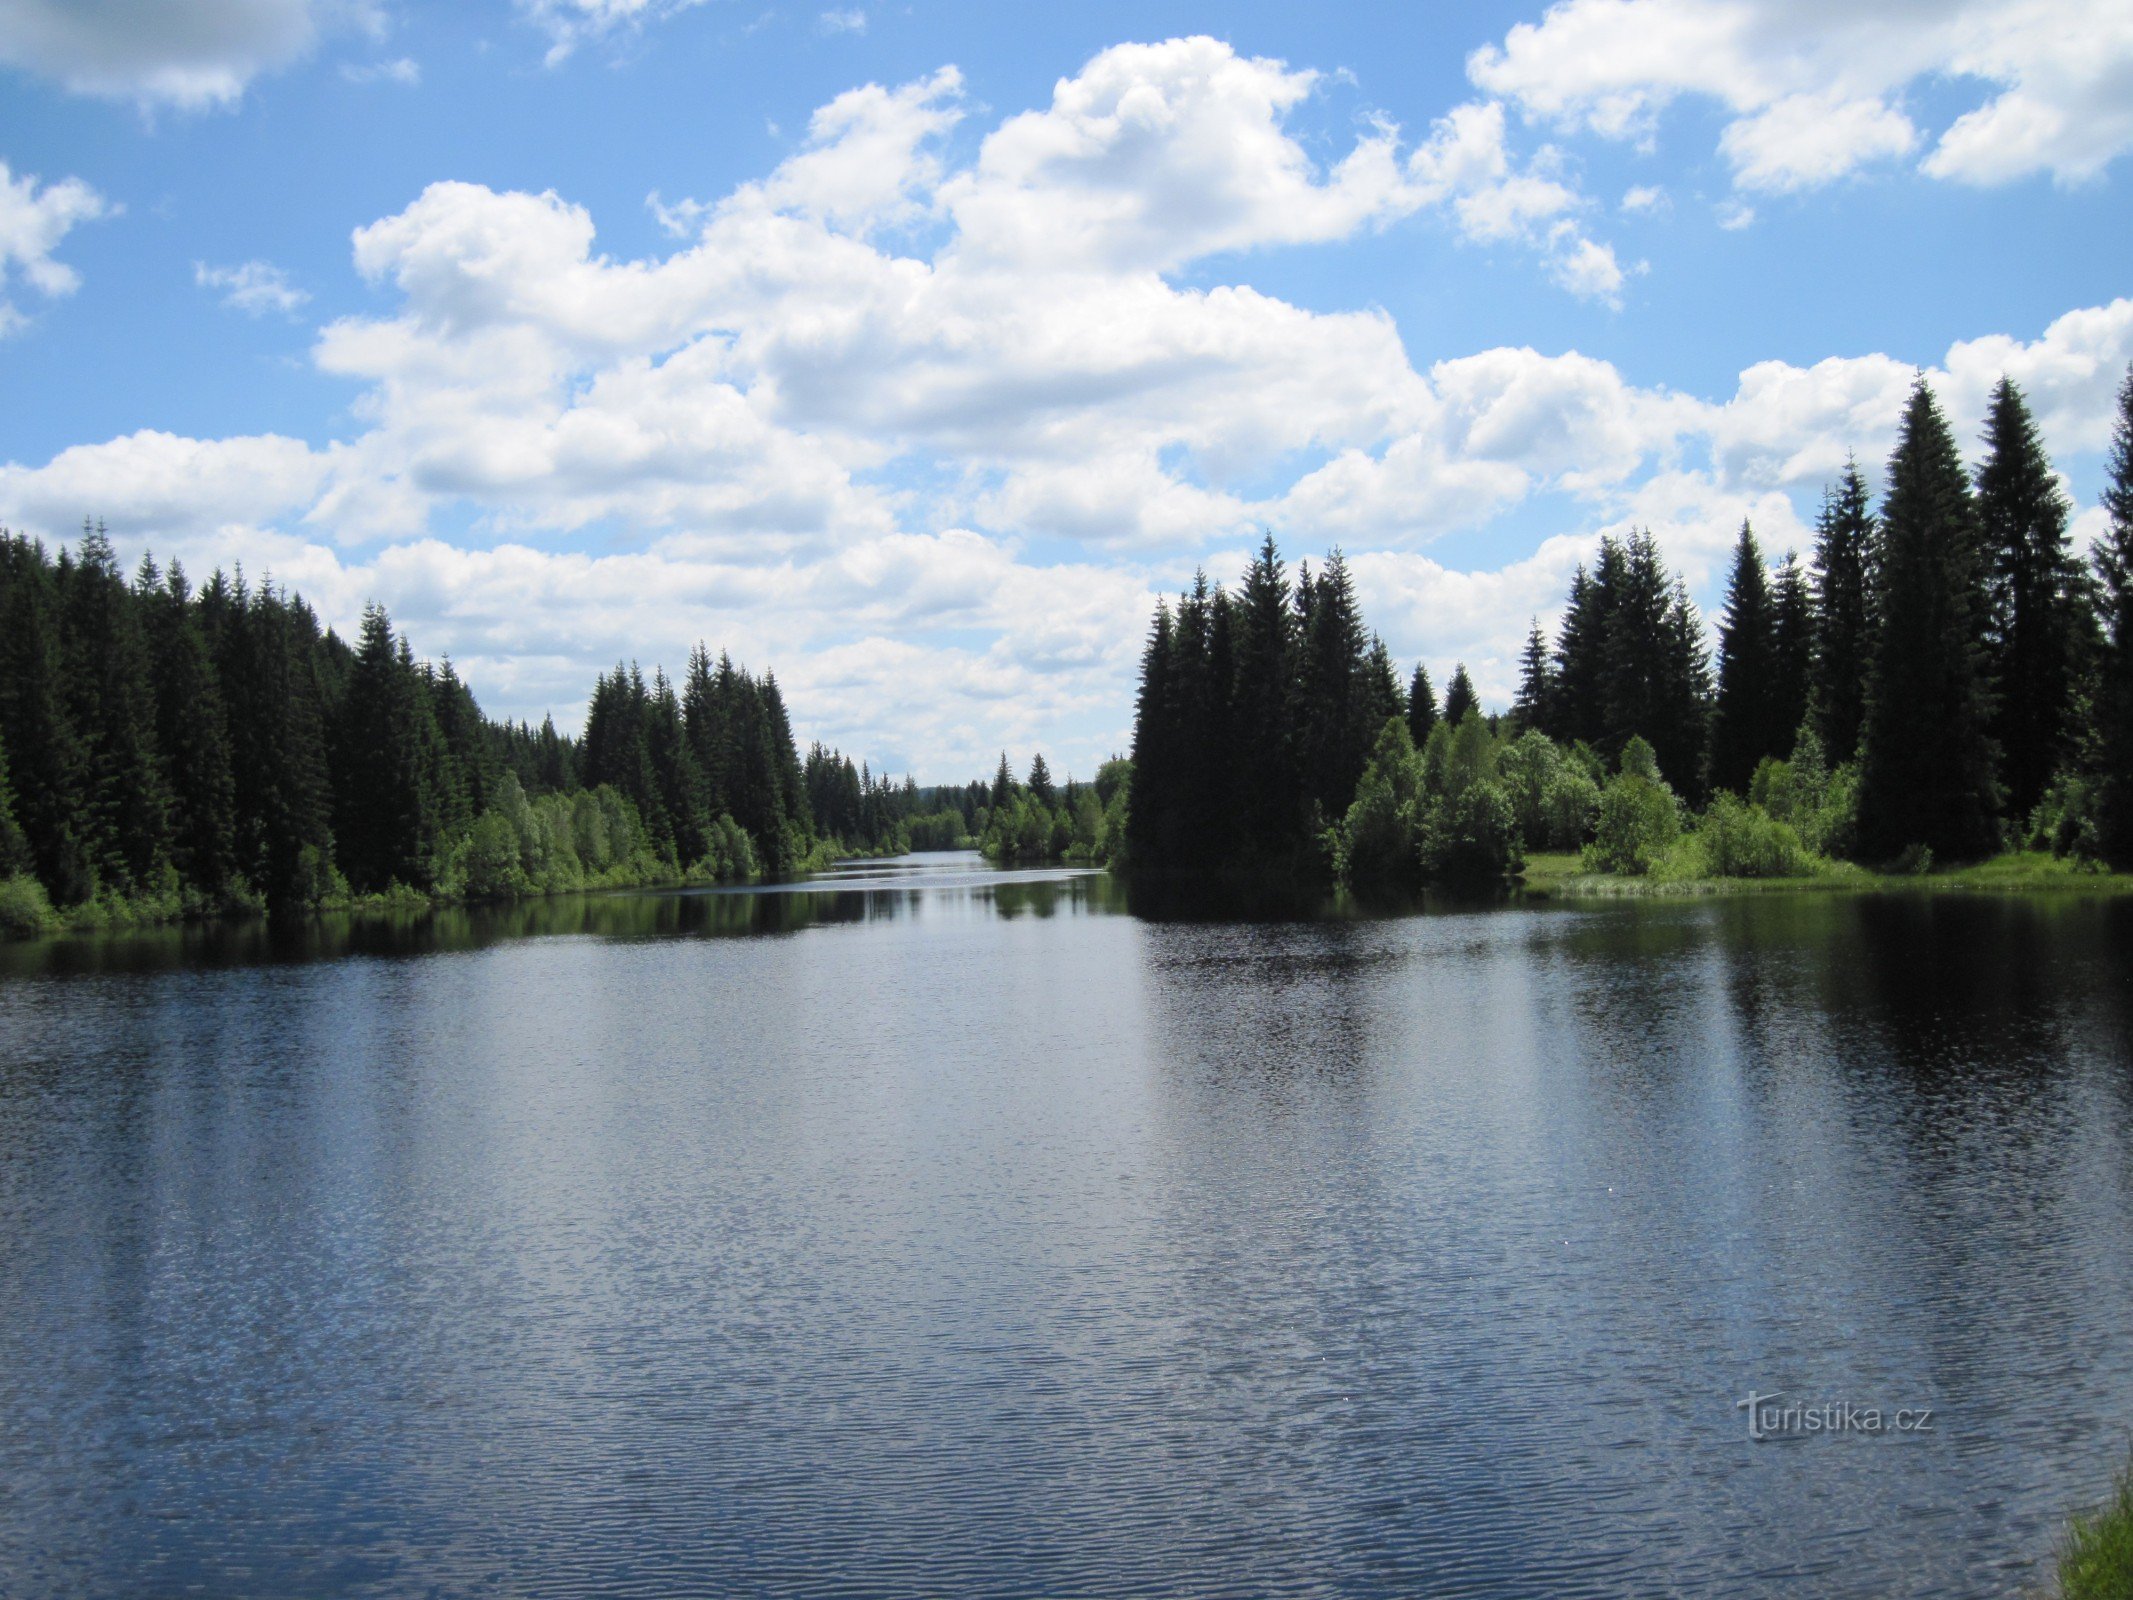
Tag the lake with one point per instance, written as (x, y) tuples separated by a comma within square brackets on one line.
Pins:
[(928, 1230)]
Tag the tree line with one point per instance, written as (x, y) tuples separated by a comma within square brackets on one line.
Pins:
[(1947, 677), (171, 751)]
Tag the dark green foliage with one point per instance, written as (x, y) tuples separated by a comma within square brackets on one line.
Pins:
[(1040, 781), (1536, 682), (1630, 662), (1747, 723), (2037, 595), (395, 793), (50, 768), (193, 733), (1579, 714), (1421, 707), (1843, 617), (170, 752), (1255, 716), (14, 843), (1460, 701), (1927, 759), (269, 658), (1792, 650), (125, 819), (1334, 724), (1656, 682), (1272, 821), (2112, 762)]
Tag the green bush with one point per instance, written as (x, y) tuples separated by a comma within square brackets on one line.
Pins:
[(1471, 834), (1739, 840), (1379, 841), (2064, 821), (25, 909), (1638, 820), (1569, 807)]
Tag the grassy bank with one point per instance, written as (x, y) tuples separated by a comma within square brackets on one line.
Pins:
[(1562, 876), (2096, 1556)]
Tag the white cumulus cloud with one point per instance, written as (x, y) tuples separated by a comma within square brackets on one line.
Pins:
[(34, 218), (1817, 90)]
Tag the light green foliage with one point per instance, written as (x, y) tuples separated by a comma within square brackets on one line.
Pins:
[(2065, 820), (25, 909), (1639, 819), (592, 839), (1380, 839), (1471, 835), (1443, 814), (1553, 797), (1821, 806), (1736, 839), (1570, 805)]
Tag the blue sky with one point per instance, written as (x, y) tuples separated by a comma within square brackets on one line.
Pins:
[(910, 351)]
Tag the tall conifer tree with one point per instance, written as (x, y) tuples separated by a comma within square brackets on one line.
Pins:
[(2114, 689), (1792, 652), (1421, 706), (1536, 682), (1270, 815), (1744, 724), (1460, 701), (2037, 592), (1842, 599), (1926, 769)]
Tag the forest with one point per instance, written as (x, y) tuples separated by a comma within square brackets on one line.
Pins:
[(168, 752), (1944, 680)]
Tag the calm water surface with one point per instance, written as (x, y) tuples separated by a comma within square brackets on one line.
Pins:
[(941, 1231)]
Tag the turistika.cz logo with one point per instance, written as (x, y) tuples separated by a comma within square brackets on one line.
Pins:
[(1770, 1416)]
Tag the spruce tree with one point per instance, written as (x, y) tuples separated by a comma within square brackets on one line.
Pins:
[(1152, 819), (1641, 687), (1792, 653), (1581, 650), (1040, 781), (2113, 742), (111, 702), (1532, 708), (1382, 699), (1683, 722), (1460, 701), (1334, 706), (50, 768), (1270, 815), (268, 660), (1842, 595), (1421, 706), (192, 730), (1745, 722), (675, 775), (2037, 593), (384, 760), (1927, 758)]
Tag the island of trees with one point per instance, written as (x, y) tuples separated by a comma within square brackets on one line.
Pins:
[(1945, 680)]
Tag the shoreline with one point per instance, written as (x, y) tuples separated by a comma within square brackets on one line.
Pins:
[(1561, 877)]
